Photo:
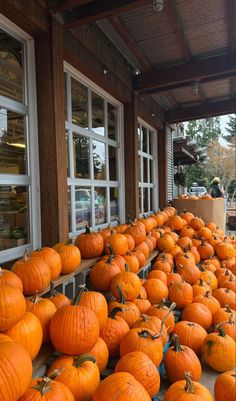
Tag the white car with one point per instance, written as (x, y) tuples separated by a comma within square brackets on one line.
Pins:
[(198, 191)]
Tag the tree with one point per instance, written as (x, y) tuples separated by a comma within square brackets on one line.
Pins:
[(196, 173), (231, 129), (203, 131)]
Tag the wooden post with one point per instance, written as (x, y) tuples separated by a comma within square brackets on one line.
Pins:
[(52, 140), (131, 158), (162, 168)]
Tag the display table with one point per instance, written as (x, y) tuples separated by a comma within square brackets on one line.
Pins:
[(209, 210)]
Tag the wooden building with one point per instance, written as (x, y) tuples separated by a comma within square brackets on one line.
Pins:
[(88, 92)]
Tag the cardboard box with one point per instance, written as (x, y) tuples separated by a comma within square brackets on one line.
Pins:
[(209, 210)]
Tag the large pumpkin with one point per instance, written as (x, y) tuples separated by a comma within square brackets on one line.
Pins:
[(46, 389), (198, 313), (118, 242), (102, 274), (51, 258), (11, 279), (190, 334), (156, 290), (129, 283), (12, 306), (137, 231), (70, 256), (90, 244), (225, 386), (181, 293), (187, 390), (15, 371)]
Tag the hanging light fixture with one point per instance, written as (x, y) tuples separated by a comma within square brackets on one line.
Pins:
[(158, 6), (195, 87)]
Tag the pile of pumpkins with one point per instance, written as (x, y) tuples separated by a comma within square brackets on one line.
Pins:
[(122, 316), (195, 197)]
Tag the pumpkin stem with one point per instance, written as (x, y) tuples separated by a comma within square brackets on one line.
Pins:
[(68, 241), (162, 304), (26, 255), (110, 249), (231, 319), (228, 309), (114, 311), (109, 259), (87, 230), (54, 374), (76, 299), (35, 298), (147, 334), (201, 284), (44, 386), (176, 343), (79, 360), (144, 317), (172, 307), (208, 294), (189, 388), (127, 269), (121, 295), (221, 331)]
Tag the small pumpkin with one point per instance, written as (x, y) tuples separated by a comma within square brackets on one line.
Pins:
[(90, 244), (137, 231), (187, 390), (225, 296), (225, 386), (100, 353), (143, 304), (118, 242), (208, 300), (196, 223), (181, 293), (165, 243), (129, 311), (57, 298), (205, 250), (132, 262), (198, 313), (156, 290), (190, 334), (70, 256), (129, 283), (102, 274), (51, 258), (46, 389), (223, 314)]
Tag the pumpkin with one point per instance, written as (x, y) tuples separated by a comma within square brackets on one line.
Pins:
[(110, 389), (213, 261), (229, 327), (140, 256), (209, 278), (166, 257), (57, 298), (190, 273), (190, 334), (132, 262), (143, 246), (70, 323), (140, 366), (15, 371), (176, 250), (204, 233), (158, 274), (79, 373), (208, 300), (144, 340), (185, 243), (102, 274), (165, 243), (175, 223), (116, 259), (129, 311), (159, 219), (149, 243), (185, 259), (181, 293), (114, 331), (225, 386), (137, 231), (165, 314), (100, 353), (153, 323), (90, 244), (129, 283), (225, 297), (231, 284), (198, 313), (148, 222), (187, 390), (224, 250), (118, 242), (27, 332), (156, 290), (219, 350), (162, 265), (131, 243), (4, 338), (9, 278), (187, 216), (173, 278), (46, 389), (201, 288), (205, 250), (51, 258), (196, 254), (143, 304), (70, 256), (43, 309), (12, 306), (223, 314), (33, 272), (187, 231), (180, 359), (196, 223)]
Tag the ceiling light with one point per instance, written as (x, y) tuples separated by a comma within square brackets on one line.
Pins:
[(158, 6), (195, 87), (105, 70), (17, 145)]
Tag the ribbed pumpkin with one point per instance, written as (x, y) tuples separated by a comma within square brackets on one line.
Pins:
[(148, 222), (162, 312), (121, 386), (187, 216), (175, 223), (137, 231), (166, 257), (187, 390), (209, 301), (209, 278), (27, 332), (181, 293), (143, 247), (9, 278), (131, 243), (15, 371), (4, 338), (140, 366), (12, 306), (114, 331), (143, 304), (162, 265), (158, 274), (190, 334), (198, 313), (190, 273), (57, 298), (185, 259), (44, 309), (73, 322), (180, 359), (90, 244), (51, 258), (224, 250), (100, 353), (153, 323), (116, 259), (223, 314), (201, 288), (204, 233), (173, 278), (102, 274), (196, 223), (129, 283), (225, 297), (229, 327), (70, 256), (118, 242), (225, 386), (187, 231), (165, 243), (46, 389), (156, 290), (140, 256), (34, 273), (143, 340), (219, 351), (205, 250), (132, 262), (129, 311), (79, 373)]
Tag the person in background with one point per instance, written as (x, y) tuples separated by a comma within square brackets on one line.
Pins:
[(215, 190)]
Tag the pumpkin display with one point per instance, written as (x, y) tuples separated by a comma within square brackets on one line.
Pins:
[(225, 386), (51, 258), (180, 359), (162, 312), (74, 329), (181, 293), (34, 273), (15, 371), (79, 373), (156, 290), (100, 353), (46, 389), (9, 278), (137, 231), (70, 256), (140, 366), (129, 283), (110, 389), (129, 311), (153, 323), (90, 244), (190, 334), (57, 298), (27, 332), (187, 390), (12, 306), (198, 313), (219, 351), (102, 274)]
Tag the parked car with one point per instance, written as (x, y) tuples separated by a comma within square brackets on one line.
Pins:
[(198, 191)]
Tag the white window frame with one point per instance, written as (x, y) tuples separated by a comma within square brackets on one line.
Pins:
[(152, 181), (29, 109), (119, 144)]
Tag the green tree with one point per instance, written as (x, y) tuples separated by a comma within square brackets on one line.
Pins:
[(196, 173), (204, 131), (231, 129)]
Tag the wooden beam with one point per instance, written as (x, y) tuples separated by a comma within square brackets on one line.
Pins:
[(182, 74), (231, 27), (202, 111), (162, 168), (99, 9), (61, 5)]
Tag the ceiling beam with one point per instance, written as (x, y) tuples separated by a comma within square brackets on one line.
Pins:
[(231, 27), (202, 111), (61, 5), (182, 74), (98, 9)]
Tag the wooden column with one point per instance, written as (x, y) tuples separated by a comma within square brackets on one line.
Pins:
[(52, 141), (162, 168), (131, 158)]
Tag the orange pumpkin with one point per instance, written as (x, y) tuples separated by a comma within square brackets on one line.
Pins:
[(165, 243), (57, 298), (132, 262), (187, 390), (205, 250), (198, 313), (153, 323), (51, 258), (156, 290), (208, 300), (45, 387), (128, 310), (100, 353), (225, 386), (70, 256), (13, 306), (118, 242), (196, 223), (90, 244), (95, 301), (102, 274), (190, 334), (181, 293), (137, 231), (165, 314), (9, 278), (129, 283)]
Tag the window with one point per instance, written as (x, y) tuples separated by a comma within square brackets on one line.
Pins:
[(147, 167), (19, 180), (95, 157)]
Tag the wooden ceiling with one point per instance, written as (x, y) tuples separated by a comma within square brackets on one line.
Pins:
[(190, 40)]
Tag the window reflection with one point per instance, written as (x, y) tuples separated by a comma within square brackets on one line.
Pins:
[(145, 200), (145, 140), (81, 156), (98, 114), (100, 205), (79, 98), (99, 160), (112, 163), (114, 203), (139, 137), (83, 204), (112, 121), (145, 169)]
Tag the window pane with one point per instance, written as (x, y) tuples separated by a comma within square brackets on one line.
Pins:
[(65, 96), (13, 155), (67, 154), (69, 208), (139, 137), (140, 200), (98, 114), (81, 156), (100, 205), (114, 203), (151, 199), (113, 176), (151, 143), (14, 216), (145, 200), (145, 169), (99, 160), (139, 169), (11, 72), (145, 147), (112, 121), (151, 171), (83, 205), (79, 98)]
